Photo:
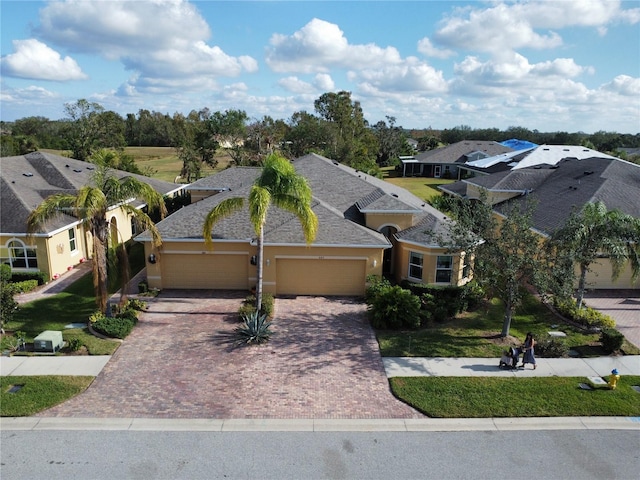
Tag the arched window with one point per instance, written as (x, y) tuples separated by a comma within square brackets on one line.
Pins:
[(21, 256)]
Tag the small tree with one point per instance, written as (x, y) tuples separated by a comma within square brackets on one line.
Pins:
[(8, 305)]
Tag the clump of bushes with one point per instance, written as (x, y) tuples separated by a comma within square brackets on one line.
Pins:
[(248, 306), (120, 324), (551, 347), (24, 286), (440, 303), (585, 316), (611, 340), (40, 277), (394, 307)]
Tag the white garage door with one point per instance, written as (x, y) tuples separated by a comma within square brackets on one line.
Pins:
[(227, 272), (320, 277)]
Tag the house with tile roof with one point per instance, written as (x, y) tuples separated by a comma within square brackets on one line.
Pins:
[(445, 162), (25, 181), (365, 227), (556, 190)]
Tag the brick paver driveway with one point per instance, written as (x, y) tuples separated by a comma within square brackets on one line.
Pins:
[(623, 306), (323, 362)]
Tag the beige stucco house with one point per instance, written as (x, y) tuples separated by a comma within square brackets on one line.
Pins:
[(366, 227), (556, 189), (25, 181)]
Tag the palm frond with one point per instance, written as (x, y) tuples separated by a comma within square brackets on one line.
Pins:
[(220, 211), (50, 208)]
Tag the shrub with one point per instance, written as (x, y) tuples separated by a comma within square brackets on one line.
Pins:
[(114, 327), (5, 273), (39, 277), (143, 287), (74, 344), (375, 285), (96, 316), (255, 329), (585, 316), (137, 304), (249, 305), (442, 302), (395, 308), (24, 286), (611, 339), (551, 347)]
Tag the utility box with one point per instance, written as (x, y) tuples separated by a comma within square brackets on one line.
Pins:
[(48, 341)]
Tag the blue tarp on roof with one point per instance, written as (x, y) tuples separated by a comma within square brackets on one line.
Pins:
[(518, 144)]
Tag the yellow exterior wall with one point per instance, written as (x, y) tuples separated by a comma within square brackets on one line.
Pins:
[(494, 197), (375, 221), (600, 276), (430, 257)]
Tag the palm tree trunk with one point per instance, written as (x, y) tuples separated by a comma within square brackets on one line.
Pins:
[(260, 268), (100, 239), (581, 286)]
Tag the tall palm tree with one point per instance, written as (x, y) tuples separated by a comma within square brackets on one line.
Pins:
[(594, 232), (90, 205), (280, 185)]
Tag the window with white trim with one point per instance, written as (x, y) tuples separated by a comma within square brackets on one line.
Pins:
[(444, 268), (73, 246), (415, 265), (21, 256)]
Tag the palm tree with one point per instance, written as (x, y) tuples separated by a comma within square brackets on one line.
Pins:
[(280, 185), (90, 205), (594, 232)]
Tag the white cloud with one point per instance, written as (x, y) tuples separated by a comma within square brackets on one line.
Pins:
[(35, 60), (295, 85), (320, 45), (512, 26), (410, 76), (162, 41), (324, 82), (624, 85), (426, 48)]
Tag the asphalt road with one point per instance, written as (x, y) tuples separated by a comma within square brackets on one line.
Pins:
[(549, 454)]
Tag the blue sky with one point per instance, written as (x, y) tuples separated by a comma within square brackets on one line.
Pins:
[(546, 65)]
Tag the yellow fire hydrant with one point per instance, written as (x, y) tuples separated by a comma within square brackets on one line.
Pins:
[(613, 379)]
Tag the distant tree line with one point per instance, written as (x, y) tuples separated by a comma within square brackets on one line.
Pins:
[(336, 129)]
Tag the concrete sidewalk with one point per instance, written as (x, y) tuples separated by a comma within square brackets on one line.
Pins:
[(92, 365), (85, 365), (488, 367)]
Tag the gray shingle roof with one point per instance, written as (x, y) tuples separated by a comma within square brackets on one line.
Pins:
[(26, 180), (339, 192), (457, 152), (573, 183)]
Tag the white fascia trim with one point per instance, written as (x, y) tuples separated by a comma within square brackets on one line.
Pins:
[(191, 240), (320, 245), (423, 245), (392, 212), (203, 252), (46, 234), (319, 257)]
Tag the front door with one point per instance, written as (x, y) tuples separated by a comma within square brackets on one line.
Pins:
[(436, 171)]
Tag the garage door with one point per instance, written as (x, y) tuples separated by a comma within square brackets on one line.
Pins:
[(227, 272), (320, 277)]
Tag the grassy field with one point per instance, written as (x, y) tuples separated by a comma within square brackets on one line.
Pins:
[(422, 187), (482, 397), (37, 393)]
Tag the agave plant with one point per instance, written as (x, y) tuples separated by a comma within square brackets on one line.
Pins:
[(255, 329)]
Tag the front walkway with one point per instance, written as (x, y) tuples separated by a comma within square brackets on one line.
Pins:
[(623, 306), (322, 362)]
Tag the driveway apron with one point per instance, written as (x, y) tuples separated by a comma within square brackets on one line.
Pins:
[(322, 362)]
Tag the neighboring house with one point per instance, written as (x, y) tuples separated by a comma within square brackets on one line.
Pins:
[(413, 143), (527, 157), (558, 190), (445, 162), (25, 181), (366, 227)]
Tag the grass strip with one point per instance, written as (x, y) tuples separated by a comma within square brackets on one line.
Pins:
[(38, 393), (484, 397)]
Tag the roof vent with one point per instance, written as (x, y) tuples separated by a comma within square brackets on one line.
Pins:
[(28, 174), (77, 170), (565, 150), (91, 168), (67, 166), (546, 149), (589, 172), (394, 195), (336, 163)]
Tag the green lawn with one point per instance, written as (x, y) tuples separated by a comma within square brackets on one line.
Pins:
[(476, 334), (422, 187), (38, 393), (481, 397)]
